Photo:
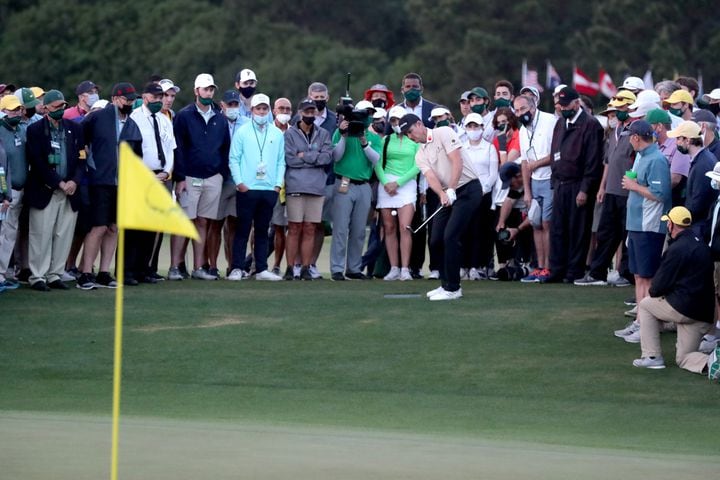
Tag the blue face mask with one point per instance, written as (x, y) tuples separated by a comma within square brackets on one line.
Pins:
[(260, 119)]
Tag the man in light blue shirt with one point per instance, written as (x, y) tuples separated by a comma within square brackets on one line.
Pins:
[(257, 165)]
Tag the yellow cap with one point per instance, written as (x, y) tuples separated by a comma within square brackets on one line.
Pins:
[(10, 102), (687, 129), (679, 95), (623, 97), (37, 91), (679, 216)]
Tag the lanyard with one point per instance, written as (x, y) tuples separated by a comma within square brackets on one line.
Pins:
[(261, 147)]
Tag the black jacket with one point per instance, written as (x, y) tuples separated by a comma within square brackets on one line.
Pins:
[(685, 277), (43, 180), (577, 153)]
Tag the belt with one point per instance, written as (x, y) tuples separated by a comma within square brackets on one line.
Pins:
[(354, 182)]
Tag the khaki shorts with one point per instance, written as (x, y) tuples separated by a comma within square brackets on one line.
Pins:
[(227, 207), (203, 196), (717, 279), (304, 208)]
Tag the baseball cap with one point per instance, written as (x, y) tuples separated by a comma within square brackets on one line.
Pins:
[(633, 83), (703, 115), (567, 95), (638, 127), (26, 97), (397, 112), (474, 118), (646, 96), (643, 109), (260, 99), (621, 98), (407, 121), (244, 75), (437, 111), (464, 96), (7, 86), (153, 89), (168, 84), (713, 96), (379, 113), (364, 105), (714, 174), (53, 96), (687, 129), (679, 216), (478, 92), (531, 89), (306, 103), (231, 96), (37, 91), (507, 172), (10, 102), (657, 115), (558, 89), (84, 87), (124, 89), (204, 80), (679, 95)]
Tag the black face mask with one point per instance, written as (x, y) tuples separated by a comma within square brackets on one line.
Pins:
[(526, 118), (247, 92), (379, 103), (308, 120), (320, 105), (126, 109), (379, 127), (30, 112), (714, 108)]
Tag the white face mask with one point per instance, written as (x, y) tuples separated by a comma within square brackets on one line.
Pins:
[(232, 113), (260, 119), (396, 129), (283, 118), (613, 123), (474, 135), (92, 98)]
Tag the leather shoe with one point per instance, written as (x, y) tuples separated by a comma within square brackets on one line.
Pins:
[(40, 286), (58, 285)]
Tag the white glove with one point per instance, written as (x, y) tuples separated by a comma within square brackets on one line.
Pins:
[(451, 195)]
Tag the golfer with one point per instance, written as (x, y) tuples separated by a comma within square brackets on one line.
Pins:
[(460, 192)]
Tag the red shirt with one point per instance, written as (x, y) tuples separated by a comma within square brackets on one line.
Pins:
[(512, 144)]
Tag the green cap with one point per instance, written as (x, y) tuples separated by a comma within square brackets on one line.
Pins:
[(27, 98), (53, 96), (478, 92), (657, 115)]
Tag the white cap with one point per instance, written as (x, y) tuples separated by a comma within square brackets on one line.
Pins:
[(633, 83), (246, 74), (646, 96), (531, 89), (643, 109), (713, 96), (380, 113), (474, 118), (437, 111), (204, 80), (715, 173), (259, 99), (397, 112), (167, 84), (364, 105), (99, 105), (558, 88)]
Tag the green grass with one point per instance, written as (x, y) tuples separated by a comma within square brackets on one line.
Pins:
[(508, 362)]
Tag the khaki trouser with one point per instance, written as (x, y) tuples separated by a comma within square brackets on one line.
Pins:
[(652, 311), (9, 232), (51, 234)]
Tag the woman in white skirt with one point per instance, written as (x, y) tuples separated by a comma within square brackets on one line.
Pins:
[(397, 192)]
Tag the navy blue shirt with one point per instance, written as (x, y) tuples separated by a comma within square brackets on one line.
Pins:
[(202, 148)]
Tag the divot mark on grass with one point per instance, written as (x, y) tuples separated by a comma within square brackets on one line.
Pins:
[(222, 322)]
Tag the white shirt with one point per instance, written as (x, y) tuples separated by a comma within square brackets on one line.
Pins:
[(484, 160), (206, 115), (536, 142), (143, 118), (320, 118)]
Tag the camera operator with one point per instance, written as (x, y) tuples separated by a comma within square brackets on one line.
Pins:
[(514, 231), (356, 152)]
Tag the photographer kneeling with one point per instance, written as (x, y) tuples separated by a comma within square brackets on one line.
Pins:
[(514, 231)]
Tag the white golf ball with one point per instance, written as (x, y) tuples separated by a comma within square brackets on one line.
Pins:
[(393, 213)]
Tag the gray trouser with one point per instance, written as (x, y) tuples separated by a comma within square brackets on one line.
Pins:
[(9, 232), (349, 215)]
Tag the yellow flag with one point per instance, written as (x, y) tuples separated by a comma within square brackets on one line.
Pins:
[(144, 203)]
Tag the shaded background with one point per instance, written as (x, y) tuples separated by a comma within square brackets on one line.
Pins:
[(453, 44)]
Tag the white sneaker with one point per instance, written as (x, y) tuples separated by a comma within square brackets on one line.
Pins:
[(393, 274), (629, 329), (613, 276), (297, 270), (314, 272), (66, 277), (434, 291), (202, 274), (632, 313), (174, 274), (473, 274), (656, 363), (236, 275), (633, 337), (708, 343), (463, 274), (445, 295), (405, 274), (434, 275), (267, 275)]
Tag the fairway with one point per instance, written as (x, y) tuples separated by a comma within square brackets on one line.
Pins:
[(334, 380)]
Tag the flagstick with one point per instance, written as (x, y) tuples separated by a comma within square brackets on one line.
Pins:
[(117, 370)]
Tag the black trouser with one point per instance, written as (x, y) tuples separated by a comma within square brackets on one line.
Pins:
[(611, 233), (420, 239), (449, 225), (254, 208), (139, 246), (479, 239), (571, 228)]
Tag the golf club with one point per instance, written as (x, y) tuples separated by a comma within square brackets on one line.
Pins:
[(425, 222)]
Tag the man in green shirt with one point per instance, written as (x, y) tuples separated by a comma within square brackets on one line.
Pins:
[(354, 157)]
